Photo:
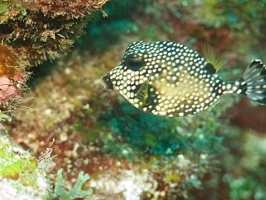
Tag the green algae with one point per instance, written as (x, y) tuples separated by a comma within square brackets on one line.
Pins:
[(18, 169), (3, 7), (73, 193), (13, 159)]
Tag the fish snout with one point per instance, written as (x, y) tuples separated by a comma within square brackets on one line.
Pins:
[(107, 81)]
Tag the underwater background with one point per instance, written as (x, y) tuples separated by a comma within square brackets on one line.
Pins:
[(65, 136)]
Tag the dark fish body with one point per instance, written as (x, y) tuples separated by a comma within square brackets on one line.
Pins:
[(168, 79)]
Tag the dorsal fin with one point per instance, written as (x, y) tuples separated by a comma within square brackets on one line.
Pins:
[(210, 57)]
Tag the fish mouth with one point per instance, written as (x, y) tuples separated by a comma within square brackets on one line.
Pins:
[(107, 81)]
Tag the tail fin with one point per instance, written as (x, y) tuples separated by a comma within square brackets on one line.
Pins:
[(255, 79)]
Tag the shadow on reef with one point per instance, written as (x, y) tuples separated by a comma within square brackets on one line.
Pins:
[(40, 72), (155, 135)]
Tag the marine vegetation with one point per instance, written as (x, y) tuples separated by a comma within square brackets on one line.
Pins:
[(73, 193), (23, 176)]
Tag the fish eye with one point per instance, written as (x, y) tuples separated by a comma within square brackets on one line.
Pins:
[(135, 64)]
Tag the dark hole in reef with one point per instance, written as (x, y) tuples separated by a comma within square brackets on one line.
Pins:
[(40, 72), (5, 29)]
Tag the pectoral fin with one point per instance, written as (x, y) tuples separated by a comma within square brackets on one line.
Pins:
[(143, 93)]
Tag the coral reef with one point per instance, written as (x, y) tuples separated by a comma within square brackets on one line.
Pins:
[(34, 31), (12, 76), (217, 154), (25, 177), (19, 175), (41, 30)]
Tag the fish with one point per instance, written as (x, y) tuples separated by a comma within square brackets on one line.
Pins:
[(166, 78)]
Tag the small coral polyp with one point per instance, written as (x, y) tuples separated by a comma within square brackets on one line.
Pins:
[(11, 74)]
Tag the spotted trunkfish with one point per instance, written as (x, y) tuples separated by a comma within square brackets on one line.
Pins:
[(166, 78)]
